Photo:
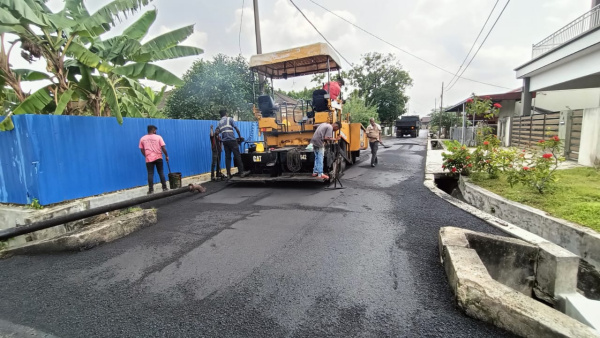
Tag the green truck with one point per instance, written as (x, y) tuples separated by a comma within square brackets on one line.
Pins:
[(408, 125)]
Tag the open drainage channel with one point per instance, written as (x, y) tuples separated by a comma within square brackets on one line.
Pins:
[(484, 271), (588, 278), (449, 185)]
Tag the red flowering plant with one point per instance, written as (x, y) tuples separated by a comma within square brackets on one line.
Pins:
[(458, 159), (538, 171), (486, 156), (483, 108)]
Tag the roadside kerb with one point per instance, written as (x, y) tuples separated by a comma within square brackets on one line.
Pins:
[(573, 237), (12, 216), (484, 298), (562, 265), (88, 237)]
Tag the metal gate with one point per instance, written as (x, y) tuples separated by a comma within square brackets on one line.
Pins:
[(573, 135), (526, 131)]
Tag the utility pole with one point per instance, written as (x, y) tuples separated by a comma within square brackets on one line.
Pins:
[(441, 109), (261, 79), (434, 109)]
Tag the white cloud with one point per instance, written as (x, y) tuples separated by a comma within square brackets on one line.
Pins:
[(440, 31)]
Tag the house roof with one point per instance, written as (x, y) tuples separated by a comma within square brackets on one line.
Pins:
[(281, 98), (426, 119), (514, 95)]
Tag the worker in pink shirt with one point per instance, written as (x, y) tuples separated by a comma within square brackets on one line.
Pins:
[(152, 147)]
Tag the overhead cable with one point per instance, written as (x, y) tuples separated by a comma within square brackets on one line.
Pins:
[(402, 50), (323, 36), (474, 42), (240, 33), (474, 55)]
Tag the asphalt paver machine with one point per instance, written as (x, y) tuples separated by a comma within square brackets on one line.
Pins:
[(287, 127)]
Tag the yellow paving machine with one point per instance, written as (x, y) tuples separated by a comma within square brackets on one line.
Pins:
[(287, 127)]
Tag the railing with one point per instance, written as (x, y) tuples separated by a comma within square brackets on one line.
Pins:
[(584, 23)]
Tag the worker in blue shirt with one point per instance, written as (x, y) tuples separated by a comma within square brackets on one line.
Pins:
[(230, 143)]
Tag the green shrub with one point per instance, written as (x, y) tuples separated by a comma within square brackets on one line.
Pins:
[(458, 160), (538, 171)]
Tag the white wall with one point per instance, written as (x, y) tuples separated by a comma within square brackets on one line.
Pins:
[(589, 148), (558, 100), (576, 99)]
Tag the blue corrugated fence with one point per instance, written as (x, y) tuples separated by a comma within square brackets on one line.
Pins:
[(58, 158)]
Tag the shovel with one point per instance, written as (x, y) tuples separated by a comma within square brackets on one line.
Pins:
[(384, 145)]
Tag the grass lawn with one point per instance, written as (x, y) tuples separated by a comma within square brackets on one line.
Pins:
[(575, 197)]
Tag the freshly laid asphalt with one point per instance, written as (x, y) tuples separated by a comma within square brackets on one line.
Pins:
[(261, 261)]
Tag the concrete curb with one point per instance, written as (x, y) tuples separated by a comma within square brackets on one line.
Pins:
[(494, 221), (12, 216), (482, 297), (88, 237), (10, 330), (573, 237)]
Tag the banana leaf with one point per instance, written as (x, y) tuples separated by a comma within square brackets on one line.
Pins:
[(100, 21), (116, 47), (110, 96), (83, 55), (20, 10), (8, 19), (64, 99), (170, 53), (30, 75), (6, 124), (167, 40), (132, 110), (139, 29), (148, 71), (34, 102)]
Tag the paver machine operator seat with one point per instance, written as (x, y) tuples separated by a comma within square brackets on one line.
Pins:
[(319, 102), (267, 106)]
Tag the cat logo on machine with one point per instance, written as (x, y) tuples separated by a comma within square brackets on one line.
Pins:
[(303, 157), (257, 158)]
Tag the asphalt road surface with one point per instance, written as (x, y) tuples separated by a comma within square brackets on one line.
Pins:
[(261, 261)]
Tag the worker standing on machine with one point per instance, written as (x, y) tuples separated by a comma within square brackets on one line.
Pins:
[(334, 88)]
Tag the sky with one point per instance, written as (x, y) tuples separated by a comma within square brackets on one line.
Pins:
[(438, 31)]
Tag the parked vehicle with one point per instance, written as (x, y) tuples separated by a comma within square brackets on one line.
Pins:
[(408, 125)]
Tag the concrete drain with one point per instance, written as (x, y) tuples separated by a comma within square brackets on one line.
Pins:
[(449, 184), (501, 280)]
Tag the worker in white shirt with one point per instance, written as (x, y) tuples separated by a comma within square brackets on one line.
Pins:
[(374, 135)]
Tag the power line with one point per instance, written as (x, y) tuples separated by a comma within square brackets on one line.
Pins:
[(474, 42), (402, 50), (323, 36), (240, 33), (481, 45)]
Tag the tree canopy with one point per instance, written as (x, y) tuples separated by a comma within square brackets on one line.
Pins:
[(359, 111), (87, 74), (210, 85), (445, 119), (382, 82)]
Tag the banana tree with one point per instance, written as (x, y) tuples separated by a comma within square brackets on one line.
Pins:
[(87, 74)]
